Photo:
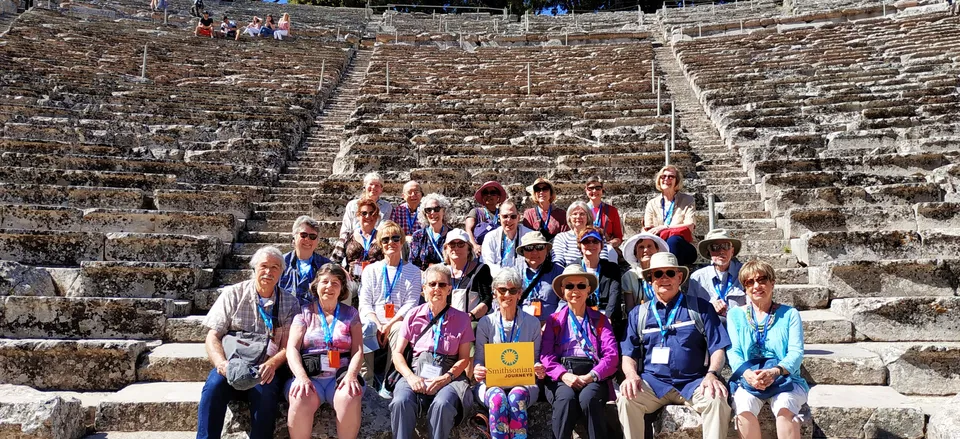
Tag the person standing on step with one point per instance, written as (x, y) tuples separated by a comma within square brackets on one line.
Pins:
[(407, 214), (765, 356), (426, 245), (670, 215), (538, 272), (500, 245), (303, 262), (246, 343), (544, 216), (719, 282), (664, 351), (372, 189), (484, 218), (605, 217), (566, 249)]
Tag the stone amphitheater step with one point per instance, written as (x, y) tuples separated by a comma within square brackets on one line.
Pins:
[(823, 326), (143, 435), (888, 278), (80, 365), (902, 318), (57, 317)]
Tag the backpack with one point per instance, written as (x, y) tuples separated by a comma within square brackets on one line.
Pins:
[(693, 309)]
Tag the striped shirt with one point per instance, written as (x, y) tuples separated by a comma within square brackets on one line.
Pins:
[(405, 294)]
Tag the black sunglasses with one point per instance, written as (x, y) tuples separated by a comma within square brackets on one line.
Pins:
[(580, 286), (437, 284), (311, 236), (595, 188), (541, 187), (535, 247), (510, 216), (387, 239), (660, 273), (366, 213), (432, 209), (489, 192), (508, 291)]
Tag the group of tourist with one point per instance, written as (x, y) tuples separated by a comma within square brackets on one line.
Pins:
[(257, 27), (409, 306)]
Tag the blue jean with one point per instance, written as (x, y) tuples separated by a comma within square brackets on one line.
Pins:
[(685, 252), (442, 411), (217, 393)]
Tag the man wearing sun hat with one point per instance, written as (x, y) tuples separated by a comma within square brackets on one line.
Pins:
[(719, 282), (663, 355), (538, 272)]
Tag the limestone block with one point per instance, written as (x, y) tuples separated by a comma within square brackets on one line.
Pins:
[(802, 297), (84, 365), (50, 247), (175, 362), (682, 422), (903, 319), (234, 203), (848, 364), (821, 326), (824, 219), (40, 217), (151, 407), (891, 278), (204, 251), (57, 317), (937, 216), (136, 279), (945, 424), (906, 193), (188, 329), (922, 368), (864, 412), (26, 413), (22, 280), (819, 248), (220, 225)]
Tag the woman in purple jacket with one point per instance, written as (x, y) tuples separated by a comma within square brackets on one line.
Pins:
[(579, 352)]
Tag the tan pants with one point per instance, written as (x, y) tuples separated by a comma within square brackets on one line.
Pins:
[(367, 370), (714, 413)]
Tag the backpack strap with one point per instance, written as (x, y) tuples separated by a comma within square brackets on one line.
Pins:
[(693, 308)]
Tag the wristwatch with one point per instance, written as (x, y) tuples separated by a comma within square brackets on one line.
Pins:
[(596, 378), (783, 372), (716, 374)]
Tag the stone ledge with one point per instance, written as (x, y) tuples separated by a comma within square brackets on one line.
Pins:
[(71, 318), (903, 318), (30, 414), (888, 278), (83, 365)]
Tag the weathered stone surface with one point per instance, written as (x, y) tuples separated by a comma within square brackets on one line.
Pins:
[(864, 412), (921, 368), (151, 407), (83, 365), (822, 326), (220, 225), (26, 413), (22, 280), (891, 278), (56, 317), (818, 248), (137, 280), (50, 248), (945, 424), (175, 362), (798, 221), (802, 296), (41, 217), (937, 216), (682, 422), (903, 319), (204, 251), (238, 204), (847, 364), (186, 330)]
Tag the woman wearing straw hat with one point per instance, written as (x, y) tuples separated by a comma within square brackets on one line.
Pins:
[(538, 272), (486, 216), (718, 283), (670, 215), (544, 216), (637, 251), (579, 353)]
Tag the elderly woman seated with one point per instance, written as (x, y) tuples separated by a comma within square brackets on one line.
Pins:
[(302, 262), (765, 356)]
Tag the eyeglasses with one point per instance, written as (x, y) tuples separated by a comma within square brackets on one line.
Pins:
[(440, 285), (668, 177), (508, 291), (311, 236), (489, 192), (457, 244), (387, 239), (760, 280), (541, 187), (535, 247), (432, 209), (660, 273), (590, 241), (595, 188), (580, 286), (512, 216), (720, 246), (367, 213)]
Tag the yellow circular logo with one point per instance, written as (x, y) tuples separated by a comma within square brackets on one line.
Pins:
[(509, 357)]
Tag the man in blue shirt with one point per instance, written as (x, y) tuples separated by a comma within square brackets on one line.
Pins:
[(719, 283), (668, 359)]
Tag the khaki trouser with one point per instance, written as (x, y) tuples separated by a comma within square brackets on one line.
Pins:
[(366, 371), (714, 413)]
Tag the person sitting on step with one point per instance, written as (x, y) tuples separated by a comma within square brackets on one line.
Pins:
[(670, 215), (718, 282), (303, 262), (372, 189), (204, 26)]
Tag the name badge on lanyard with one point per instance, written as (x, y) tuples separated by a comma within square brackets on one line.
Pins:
[(661, 354), (333, 356), (388, 285)]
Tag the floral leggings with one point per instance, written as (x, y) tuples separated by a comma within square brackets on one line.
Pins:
[(508, 412)]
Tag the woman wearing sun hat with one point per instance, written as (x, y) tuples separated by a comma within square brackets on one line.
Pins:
[(486, 216), (544, 216), (637, 251), (718, 282), (580, 355)]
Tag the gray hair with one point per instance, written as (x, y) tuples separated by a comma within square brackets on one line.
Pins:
[(441, 200), (438, 269), (580, 205), (509, 202), (410, 183), (305, 220), (266, 252), (371, 177), (507, 276)]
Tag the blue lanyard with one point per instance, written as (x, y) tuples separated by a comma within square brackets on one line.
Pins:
[(267, 318), (387, 284), (582, 332), (528, 280), (435, 240), (495, 218), (458, 280), (514, 331), (436, 332), (647, 289), (328, 329), (412, 218), (366, 243), (598, 221), (670, 318), (596, 292), (543, 223), (722, 293), (763, 331), (667, 213), (504, 250)]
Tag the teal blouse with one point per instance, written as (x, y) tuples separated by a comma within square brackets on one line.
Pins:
[(784, 340)]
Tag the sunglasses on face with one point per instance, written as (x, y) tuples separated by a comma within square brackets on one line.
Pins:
[(571, 287), (535, 247), (594, 188), (490, 192), (512, 216), (310, 236), (457, 244), (386, 239), (590, 241), (508, 291), (660, 273), (440, 285), (541, 188), (668, 177), (760, 280), (432, 209), (720, 246), (367, 213)]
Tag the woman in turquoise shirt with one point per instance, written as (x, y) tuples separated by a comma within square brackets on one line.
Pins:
[(765, 355)]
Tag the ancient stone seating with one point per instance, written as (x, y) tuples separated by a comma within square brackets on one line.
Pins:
[(492, 23), (706, 14)]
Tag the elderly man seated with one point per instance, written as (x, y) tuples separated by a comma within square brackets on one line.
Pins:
[(249, 324), (718, 282)]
